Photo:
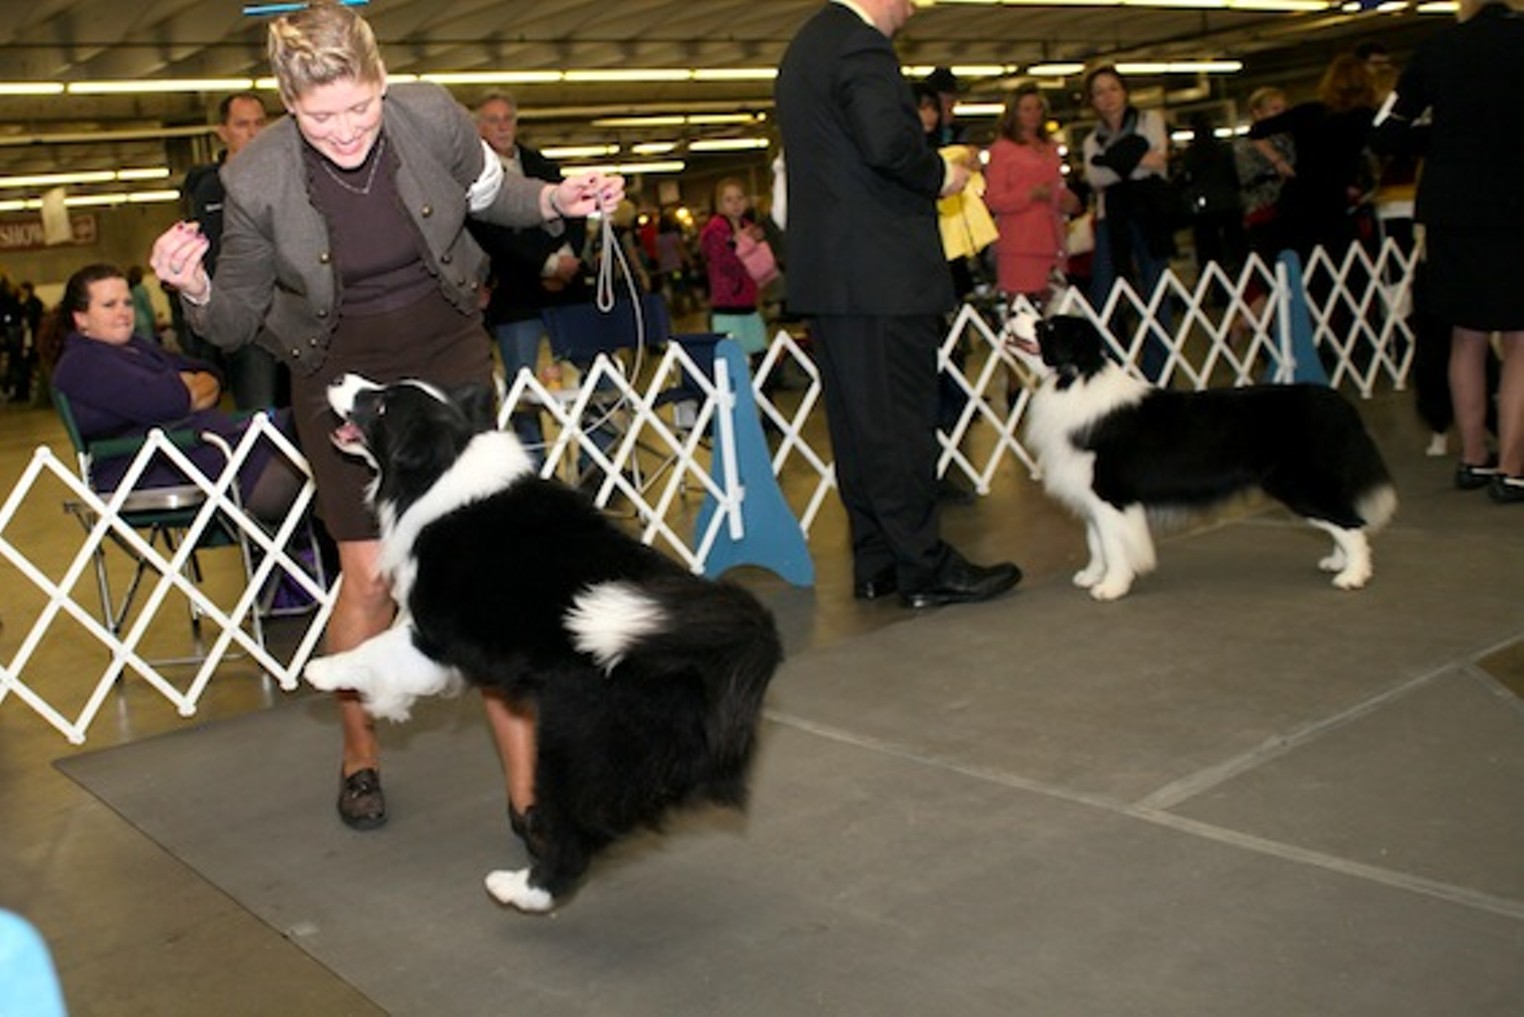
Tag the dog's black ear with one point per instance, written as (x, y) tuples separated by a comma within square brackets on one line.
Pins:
[(478, 403), (1089, 345)]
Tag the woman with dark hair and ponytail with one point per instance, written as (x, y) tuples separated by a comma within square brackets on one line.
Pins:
[(123, 385)]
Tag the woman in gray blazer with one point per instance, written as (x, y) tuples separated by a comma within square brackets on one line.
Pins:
[(344, 249)]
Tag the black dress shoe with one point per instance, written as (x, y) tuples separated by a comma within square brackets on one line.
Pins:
[(1506, 490), (882, 584), (962, 582), (362, 804), (1469, 477)]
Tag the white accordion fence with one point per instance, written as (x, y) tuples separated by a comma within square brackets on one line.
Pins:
[(646, 454)]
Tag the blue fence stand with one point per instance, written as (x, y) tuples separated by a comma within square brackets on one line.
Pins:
[(1306, 366), (771, 537)]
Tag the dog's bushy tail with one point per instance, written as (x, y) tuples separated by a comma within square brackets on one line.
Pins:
[(724, 638)]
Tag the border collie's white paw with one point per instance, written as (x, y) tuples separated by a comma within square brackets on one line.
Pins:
[(333, 673), (1088, 576), (1336, 561), (1352, 578), (1111, 588), (511, 887)]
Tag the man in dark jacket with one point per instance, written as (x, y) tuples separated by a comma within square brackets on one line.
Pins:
[(253, 373), (866, 262), (530, 269)]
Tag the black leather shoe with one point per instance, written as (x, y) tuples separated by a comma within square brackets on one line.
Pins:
[(362, 804), (881, 585), (1505, 489), (1470, 478), (962, 582)]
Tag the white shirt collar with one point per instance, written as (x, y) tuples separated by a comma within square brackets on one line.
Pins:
[(849, 5)]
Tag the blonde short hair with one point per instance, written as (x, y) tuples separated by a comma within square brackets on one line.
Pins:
[(320, 44), (1263, 96)]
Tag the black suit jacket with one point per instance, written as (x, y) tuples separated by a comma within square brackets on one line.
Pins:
[(518, 255), (862, 234), (1472, 76), (201, 196)]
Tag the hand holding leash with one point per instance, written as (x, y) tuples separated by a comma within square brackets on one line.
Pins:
[(582, 195)]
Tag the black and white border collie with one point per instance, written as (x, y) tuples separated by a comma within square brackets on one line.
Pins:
[(1113, 448), (647, 681)]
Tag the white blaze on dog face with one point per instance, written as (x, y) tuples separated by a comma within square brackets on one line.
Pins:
[(342, 393), (343, 390), (1022, 330), (1023, 326)]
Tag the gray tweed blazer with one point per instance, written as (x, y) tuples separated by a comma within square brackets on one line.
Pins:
[(276, 279)]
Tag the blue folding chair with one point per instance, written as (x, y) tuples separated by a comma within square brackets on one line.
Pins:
[(578, 334)]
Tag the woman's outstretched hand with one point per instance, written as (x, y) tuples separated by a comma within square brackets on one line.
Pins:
[(177, 259)]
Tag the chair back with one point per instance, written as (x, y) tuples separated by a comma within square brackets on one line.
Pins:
[(579, 332), (71, 427), (700, 349), (171, 505)]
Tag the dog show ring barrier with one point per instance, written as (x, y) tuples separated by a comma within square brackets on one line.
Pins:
[(737, 473)]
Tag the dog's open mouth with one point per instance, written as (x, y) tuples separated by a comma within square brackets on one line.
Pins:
[(347, 437)]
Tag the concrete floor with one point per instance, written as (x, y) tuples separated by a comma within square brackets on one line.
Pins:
[(135, 931)]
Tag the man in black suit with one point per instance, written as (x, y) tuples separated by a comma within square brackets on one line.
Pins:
[(255, 377), (530, 269), (866, 264)]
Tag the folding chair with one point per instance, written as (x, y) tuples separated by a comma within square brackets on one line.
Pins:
[(688, 395), (165, 514), (578, 334)]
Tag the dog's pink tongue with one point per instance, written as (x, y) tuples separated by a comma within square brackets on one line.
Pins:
[(346, 434)]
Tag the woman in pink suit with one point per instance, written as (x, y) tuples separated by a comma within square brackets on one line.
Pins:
[(1027, 194)]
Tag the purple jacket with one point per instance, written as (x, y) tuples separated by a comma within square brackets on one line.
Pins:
[(127, 391)]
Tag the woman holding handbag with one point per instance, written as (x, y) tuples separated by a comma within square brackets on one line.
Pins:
[(732, 288)]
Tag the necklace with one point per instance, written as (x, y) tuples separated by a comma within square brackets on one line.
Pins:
[(370, 178)]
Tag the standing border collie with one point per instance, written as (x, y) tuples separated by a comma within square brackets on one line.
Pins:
[(1113, 447), (647, 681)]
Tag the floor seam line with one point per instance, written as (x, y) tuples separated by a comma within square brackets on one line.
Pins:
[(1185, 788), (1450, 892)]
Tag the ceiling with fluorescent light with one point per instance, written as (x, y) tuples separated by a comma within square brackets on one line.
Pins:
[(79, 41)]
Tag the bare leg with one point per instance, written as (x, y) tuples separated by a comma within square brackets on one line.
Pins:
[(1468, 391), (1511, 406), (364, 609), (514, 731)]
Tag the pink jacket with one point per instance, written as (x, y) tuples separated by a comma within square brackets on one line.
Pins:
[(1027, 228), (731, 289)]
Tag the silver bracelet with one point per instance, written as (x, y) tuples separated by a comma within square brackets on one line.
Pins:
[(206, 297)]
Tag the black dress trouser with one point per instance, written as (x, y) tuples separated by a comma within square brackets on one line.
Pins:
[(880, 376)]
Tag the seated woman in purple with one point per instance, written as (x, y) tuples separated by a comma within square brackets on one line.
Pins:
[(120, 385)]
